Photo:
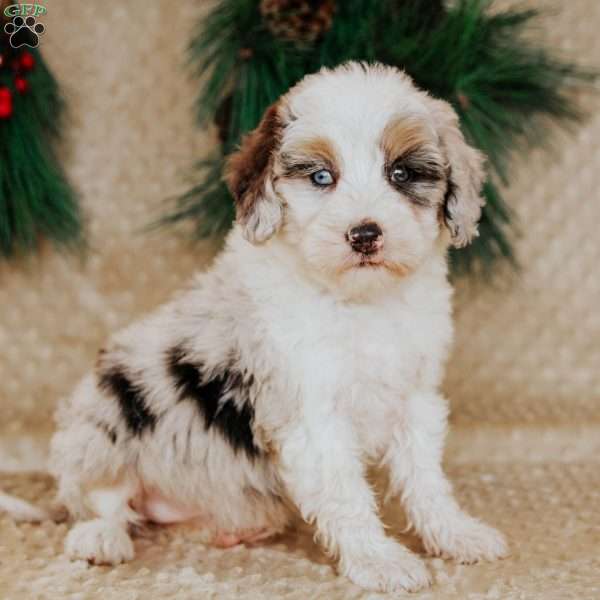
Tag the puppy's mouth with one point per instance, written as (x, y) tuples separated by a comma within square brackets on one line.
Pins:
[(370, 262), (373, 262)]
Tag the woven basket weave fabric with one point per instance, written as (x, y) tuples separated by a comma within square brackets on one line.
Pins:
[(526, 351), (548, 512)]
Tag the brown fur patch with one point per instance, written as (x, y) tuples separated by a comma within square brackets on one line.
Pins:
[(307, 156), (247, 169), (401, 137), (397, 269), (407, 142)]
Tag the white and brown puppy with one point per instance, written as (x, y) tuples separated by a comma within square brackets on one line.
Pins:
[(314, 346)]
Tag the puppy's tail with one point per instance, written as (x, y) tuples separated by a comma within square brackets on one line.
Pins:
[(21, 510)]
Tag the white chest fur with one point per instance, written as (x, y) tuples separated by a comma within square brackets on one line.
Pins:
[(358, 360)]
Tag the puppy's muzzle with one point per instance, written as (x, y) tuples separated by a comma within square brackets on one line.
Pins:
[(366, 238)]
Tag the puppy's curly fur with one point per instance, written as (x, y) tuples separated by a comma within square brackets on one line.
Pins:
[(315, 343)]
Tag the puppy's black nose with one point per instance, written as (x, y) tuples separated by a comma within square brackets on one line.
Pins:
[(366, 238)]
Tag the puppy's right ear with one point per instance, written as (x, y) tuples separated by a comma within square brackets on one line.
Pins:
[(249, 176)]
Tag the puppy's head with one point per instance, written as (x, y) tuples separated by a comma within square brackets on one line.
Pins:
[(361, 173)]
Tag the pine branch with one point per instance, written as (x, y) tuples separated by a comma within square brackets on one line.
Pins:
[(36, 200)]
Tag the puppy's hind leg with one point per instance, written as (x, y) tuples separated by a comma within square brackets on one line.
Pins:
[(105, 540)]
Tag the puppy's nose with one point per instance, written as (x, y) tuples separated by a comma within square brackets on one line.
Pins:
[(366, 238)]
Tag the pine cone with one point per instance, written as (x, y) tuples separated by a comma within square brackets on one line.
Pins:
[(300, 21)]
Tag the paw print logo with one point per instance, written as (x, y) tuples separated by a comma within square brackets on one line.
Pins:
[(24, 32)]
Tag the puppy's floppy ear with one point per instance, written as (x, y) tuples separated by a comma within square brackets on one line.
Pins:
[(463, 202), (249, 176)]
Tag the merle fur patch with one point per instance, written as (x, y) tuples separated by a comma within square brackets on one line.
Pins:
[(136, 414), (222, 399)]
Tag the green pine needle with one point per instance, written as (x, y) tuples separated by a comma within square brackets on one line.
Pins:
[(505, 89), (36, 201)]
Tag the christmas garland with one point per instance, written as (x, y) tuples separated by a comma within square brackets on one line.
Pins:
[(504, 88), (36, 200)]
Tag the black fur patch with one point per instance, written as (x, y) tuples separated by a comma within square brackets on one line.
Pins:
[(110, 432), (131, 400), (451, 190), (211, 398)]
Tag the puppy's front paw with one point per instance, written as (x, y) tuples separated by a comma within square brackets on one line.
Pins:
[(391, 568), (466, 540), (100, 542)]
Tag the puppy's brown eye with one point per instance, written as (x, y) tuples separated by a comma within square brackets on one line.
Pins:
[(400, 174), (322, 177)]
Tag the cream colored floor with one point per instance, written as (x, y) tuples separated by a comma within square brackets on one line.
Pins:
[(524, 379), (549, 508)]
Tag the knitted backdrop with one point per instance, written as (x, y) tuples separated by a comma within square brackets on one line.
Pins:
[(526, 349), (523, 380)]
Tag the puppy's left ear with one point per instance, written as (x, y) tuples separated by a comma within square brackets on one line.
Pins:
[(463, 201), (249, 176)]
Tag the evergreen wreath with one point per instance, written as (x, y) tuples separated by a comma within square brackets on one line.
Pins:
[(503, 87), (36, 200)]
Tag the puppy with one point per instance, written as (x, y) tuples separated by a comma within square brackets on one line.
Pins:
[(314, 346)]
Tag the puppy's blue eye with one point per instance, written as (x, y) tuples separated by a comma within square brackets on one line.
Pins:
[(322, 178)]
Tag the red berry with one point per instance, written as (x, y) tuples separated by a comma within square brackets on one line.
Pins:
[(21, 84), (27, 61), (6, 107)]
